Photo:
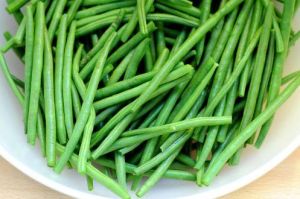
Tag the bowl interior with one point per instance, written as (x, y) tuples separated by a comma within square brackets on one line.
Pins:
[(281, 141)]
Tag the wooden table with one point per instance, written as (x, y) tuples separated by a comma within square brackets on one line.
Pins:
[(282, 182)]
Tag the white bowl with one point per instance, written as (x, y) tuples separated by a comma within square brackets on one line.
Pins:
[(283, 139)]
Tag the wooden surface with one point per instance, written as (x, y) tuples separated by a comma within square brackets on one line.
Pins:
[(282, 182)]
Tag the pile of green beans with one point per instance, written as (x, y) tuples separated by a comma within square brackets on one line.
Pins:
[(134, 89)]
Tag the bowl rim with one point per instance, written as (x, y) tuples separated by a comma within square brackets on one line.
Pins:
[(217, 192)]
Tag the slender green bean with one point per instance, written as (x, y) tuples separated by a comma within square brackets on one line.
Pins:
[(141, 13), (120, 169), (183, 50), (56, 17), (275, 82), (137, 56), (35, 88), (172, 19), (50, 116), (130, 26), (73, 10), (51, 11), (67, 80), (59, 65), (29, 48), (247, 132), (180, 126), (16, 5), (86, 107), (85, 143), (97, 175), (92, 11), (256, 21)]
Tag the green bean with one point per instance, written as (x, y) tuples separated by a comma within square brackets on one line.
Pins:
[(99, 135), (206, 9), (91, 57), (265, 79), (247, 132), (56, 17), (59, 62), (216, 32), (17, 39), (67, 80), (85, 143), (29, 40), (232, 95), (88, 20), (179, 40), (157, 174), (41, 133), (120, 169), (126, 150), (238, 69), (150, 105), (182, 111), (95, 25), (126, 47), (106, 113), (162, 156), (72, 10), (275, 82), (90, 183), (130, 26), (231, 44), (195, 12), (258, 69), (99, 2), (149, 59), (49, 103), (97, 175), (160, 38), (35, 88), (92, 11), (125, 122), (151, 117), (290, 77), (257, 15), (210, 138), (161, 119), (76, 100), (175, 12), (19, 51), (202, 71), (51, 11), (117, 87), (172, 19), (278, 36), (86, 107), (185, 159), (183, 50), (118, 54), (134, 92), (137, 56), (112, 136), (16, 5), (180, 126), (173, 174), (161, 59), (142, 16)]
